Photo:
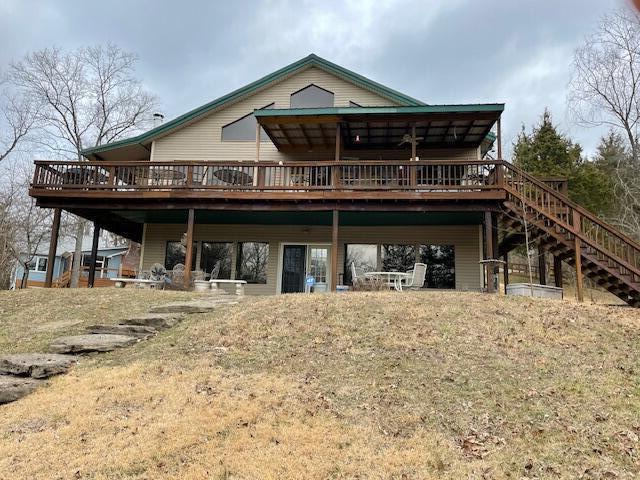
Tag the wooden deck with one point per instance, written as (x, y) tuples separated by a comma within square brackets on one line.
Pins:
[(287, 182)]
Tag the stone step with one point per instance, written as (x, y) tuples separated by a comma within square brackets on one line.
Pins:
[(12, 388), (90, 343), (158, 321), (36, 365), (196, 306), (139, 331)]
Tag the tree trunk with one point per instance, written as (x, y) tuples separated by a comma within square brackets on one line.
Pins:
[(25, 276), (77, 254)]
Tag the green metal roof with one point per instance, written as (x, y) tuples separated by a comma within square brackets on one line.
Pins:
[(309, 61), (345, 111)]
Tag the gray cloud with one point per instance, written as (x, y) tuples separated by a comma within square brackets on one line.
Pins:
[(441, 51)]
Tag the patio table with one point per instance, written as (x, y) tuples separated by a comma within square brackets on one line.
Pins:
[(393, 279)]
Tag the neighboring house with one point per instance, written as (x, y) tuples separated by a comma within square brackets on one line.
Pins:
[(315, 167), (111, 262)]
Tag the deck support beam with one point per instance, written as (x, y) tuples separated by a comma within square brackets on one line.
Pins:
[(499, 137), (542, 265), (488, 248), (505, 271), (94, 255), (188, 263), (578, 256), (334, 250), (557, 271), (53, 246)]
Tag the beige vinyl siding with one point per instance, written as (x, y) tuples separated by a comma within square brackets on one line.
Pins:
[(201, 140), (465, 238)]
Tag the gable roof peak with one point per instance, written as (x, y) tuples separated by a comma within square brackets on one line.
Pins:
[(310, 60)]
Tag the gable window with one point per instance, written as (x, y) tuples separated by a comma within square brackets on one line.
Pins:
[(244, 129), (215, 257), (38, 264), (311, 97), (252, 262)]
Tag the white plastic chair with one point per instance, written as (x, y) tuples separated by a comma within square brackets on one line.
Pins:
[(418, 274)]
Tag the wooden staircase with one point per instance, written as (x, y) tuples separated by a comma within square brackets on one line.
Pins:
[(596, 249)]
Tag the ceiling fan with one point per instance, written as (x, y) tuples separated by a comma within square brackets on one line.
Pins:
[(406, 138)]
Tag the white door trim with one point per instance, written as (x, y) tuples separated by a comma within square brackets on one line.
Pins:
[(281, 257)]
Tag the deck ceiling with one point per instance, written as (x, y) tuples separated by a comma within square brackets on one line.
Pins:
[(378, 127)]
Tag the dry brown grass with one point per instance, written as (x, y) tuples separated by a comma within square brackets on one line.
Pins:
[(359, 385), (31, 318)]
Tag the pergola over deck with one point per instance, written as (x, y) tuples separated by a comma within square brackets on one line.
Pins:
[(380, 128)]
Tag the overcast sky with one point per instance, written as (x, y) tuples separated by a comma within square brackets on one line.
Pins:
[(440, 51)]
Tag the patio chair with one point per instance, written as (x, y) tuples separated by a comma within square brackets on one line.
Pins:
[(177, 276), (215, 271), (416, 281)]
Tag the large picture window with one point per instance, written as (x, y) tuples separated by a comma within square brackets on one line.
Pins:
[(441, 266), (176, 253), (252, 262), (398, 258), (216, 253), (364, 256)]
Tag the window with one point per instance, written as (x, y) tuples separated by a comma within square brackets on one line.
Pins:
[(441, 268), (244, 129), (101, 264), (38, 264), (311, 97), (365, 258), (214, 253), (252, 262), (176, 253), (398, 258)]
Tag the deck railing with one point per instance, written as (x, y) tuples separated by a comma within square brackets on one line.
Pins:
[(268, 176)]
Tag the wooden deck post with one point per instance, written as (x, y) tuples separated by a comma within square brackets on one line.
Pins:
[(557, 271), (578, 256), (488, 248), (53, 246), (413, 174), (505, 271), (94, 254), (334, 250), (188, 264), (499, 137), (542, 266), (335, 171)]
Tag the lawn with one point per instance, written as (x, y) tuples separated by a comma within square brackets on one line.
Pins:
[(360, 385)]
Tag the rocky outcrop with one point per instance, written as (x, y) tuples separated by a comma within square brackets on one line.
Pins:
[(36, 365), (90, 343), (12, 388)]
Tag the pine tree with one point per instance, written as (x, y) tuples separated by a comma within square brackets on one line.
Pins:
[(545, 152)]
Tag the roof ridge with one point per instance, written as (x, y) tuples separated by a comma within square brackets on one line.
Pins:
[(311, 59)]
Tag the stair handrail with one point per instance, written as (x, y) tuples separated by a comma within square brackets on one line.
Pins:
[(584, 213)]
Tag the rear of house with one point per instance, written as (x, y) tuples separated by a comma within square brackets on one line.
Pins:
[(289, 181)]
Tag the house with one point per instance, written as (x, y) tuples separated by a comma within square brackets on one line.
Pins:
[(111, 262), (315, 167)]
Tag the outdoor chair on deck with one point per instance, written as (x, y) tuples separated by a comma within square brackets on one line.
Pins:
[(177, 276), (416, 281)]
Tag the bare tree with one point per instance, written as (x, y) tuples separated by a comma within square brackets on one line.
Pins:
[(17, 119), (24, 227), (85, 98), (605, 90)]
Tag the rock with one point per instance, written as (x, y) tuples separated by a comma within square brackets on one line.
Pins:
[(36, 365), (12, 388), (196, 306), (156, 321), (90, 343), (138, 331)]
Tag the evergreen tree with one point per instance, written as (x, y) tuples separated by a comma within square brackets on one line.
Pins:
[(545, 152)]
